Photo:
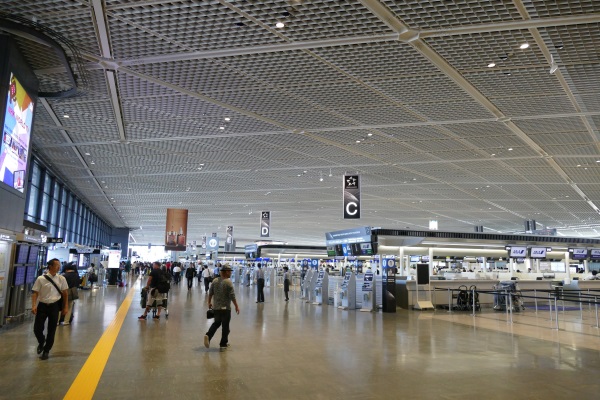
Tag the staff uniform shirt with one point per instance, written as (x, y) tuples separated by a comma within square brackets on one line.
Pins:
[(286, 276), (260, 274), (222, 292), (47, 293)]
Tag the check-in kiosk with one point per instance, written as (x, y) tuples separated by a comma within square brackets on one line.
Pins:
[(321, 290), (347, 295), (306, 284), (369, 291), (311, 286), (271, 277)]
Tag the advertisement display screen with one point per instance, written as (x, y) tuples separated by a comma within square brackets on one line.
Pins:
[(16, 134), (595, 254), (415, 259), (579, 254), (331, 251)]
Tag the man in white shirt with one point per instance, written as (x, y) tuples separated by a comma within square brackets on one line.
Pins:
[(592, 277), (207, 275), (51, 290)]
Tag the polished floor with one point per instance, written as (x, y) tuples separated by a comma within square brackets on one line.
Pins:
[(297, 350)]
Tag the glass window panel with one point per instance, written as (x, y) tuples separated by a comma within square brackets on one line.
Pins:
[(44, 208)]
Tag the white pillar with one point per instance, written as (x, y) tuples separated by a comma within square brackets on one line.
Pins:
[(586, 266), (402, 264), (430, 261), (568, 267)]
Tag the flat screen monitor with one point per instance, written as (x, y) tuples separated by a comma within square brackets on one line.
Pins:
[(22, 254), (538, 252), (517, 252), (579, 254), (415, 259), (331, 251), (425, 259), (366, 249), (16, 134), (20, 276), (33, 255), (31, 274), (595, 254)]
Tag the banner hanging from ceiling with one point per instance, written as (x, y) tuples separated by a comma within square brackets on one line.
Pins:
[(351, 197), (265, 224), (176, 229)]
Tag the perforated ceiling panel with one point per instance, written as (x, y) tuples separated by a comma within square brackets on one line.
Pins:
[(210, 106)]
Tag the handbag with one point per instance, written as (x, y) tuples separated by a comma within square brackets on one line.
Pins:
[(73, 294), (210, 313)]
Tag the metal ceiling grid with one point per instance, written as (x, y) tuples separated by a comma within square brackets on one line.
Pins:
[(453, 110), (316, 19), (563, 138), (439, 145), (340, 96), (204, 76), (46, 135), (589, 102), (442, 14), (495, 144), (376, 149), (375, 61), (173, 106), (551, 125), (409, 160), (574, 44), (306, 119), (131, 87), (263, 101), (409, 133), (583, 78), (573, 150), (284, 69), (91, 133), (349, 137), (556, 8), (495, 83), (587, 177), (379, 115), (430, 88), (535, 105)]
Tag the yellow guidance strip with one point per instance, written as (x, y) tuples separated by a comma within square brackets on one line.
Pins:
[(84, 385)]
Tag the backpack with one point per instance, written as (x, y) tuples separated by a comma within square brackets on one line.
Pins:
[(163, 285)]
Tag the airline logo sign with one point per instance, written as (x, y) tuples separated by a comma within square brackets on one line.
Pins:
[(351, 197), (538, 252), (595, 254), (213, 244), (518, 252), (265, 224)]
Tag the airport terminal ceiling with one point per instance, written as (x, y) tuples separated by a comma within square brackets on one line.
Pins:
[(472, 113)]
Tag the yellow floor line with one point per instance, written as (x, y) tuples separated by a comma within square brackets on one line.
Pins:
[(84, 385)]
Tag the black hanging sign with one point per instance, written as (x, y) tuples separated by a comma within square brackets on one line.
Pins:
[(351, 197)]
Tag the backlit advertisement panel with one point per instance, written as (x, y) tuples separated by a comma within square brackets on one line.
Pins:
[(16, 135)]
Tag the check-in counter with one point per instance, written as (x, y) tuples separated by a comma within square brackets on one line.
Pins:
[(406, 291), (590, 290)]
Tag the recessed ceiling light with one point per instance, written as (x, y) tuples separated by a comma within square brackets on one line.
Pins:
[(280, 25), (221, 127), (358, 141), (227, 119), (369, 134), (524, 46), (491, 65), (299, 174), (92, 162), (493, 154), (510, 149), (87, 154), (598, 161), (579, 165), (507, 74), (66, 116)]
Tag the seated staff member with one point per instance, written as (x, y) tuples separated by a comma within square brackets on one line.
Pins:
[(51, 291)]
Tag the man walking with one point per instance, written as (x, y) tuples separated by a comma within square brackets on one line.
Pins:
[(207, 275), (189, 275), (153, 294), (51, 290), (223, 294), (260, 284)]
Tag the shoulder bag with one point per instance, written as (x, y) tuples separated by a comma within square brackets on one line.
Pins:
[(53, 284)]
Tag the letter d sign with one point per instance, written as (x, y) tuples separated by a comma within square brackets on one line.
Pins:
[(265, 224)]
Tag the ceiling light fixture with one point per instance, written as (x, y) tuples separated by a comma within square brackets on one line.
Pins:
[(66, 116), (369, 134), (491, 65), (221, 127), (227, 119), (87, 154), (280, 25), (524, 46), (330, 172), (320, 177)]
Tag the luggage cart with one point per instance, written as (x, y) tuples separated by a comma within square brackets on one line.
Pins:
[(154, 307), (508, 288)]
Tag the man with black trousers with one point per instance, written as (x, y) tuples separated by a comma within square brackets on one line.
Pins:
[(223, 294), (189, 275), (51, 291), (260, 284)]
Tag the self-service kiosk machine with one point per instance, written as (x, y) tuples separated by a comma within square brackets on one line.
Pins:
[(270, 277), (369, 291), (347, 295), (306, 284), (321, 290), (311, 286)]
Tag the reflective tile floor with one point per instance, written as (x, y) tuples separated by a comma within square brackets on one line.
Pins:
[(297, 350)]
